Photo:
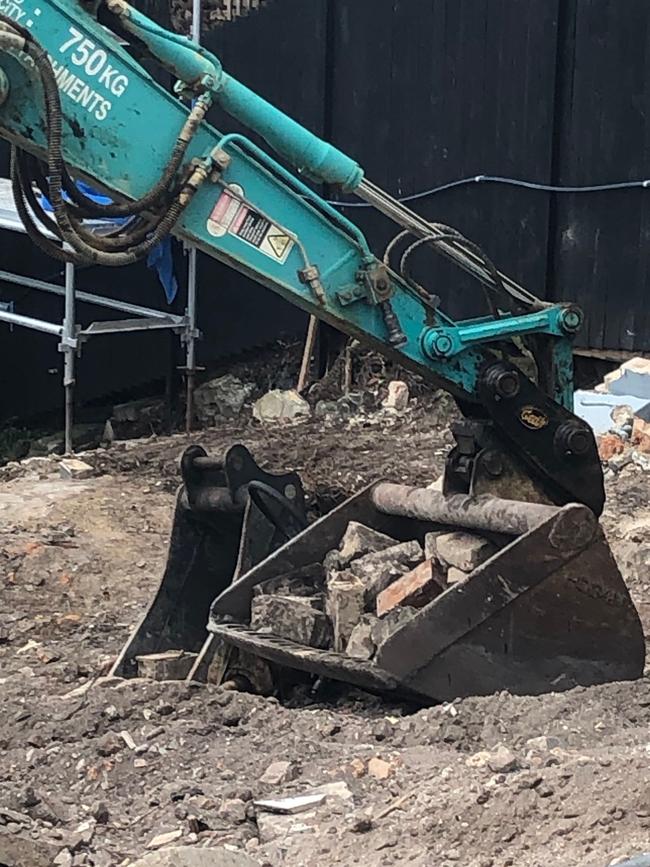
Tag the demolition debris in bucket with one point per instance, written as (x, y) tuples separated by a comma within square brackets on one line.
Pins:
[(365, 589)]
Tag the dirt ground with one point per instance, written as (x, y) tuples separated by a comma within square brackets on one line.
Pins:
[(92, 777)]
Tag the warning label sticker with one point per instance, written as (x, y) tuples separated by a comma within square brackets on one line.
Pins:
[(231, 215)]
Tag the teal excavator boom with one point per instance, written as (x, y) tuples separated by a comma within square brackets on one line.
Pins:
[(76, 104), (550, 608)]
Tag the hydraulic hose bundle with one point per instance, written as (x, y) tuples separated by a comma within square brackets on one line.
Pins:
[(148, 219)]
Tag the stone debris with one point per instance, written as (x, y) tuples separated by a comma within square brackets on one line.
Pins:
[(278, 773), (398, 396), (454, 575), (345, 606), (289, 806), (359, 540), (365, 590), (164, 839), (170, 665), (502, 760), (278, 405), (223, 397), (465, 551), (380, 769), (379, 569), (361, 644), (192, 856), (291, 617), (73, 468)]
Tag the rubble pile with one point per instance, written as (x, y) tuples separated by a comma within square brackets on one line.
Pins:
[(618, 410), (365, 589)]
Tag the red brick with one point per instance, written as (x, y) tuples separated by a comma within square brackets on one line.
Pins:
[(609, 445), (641, 435), (416, 588)]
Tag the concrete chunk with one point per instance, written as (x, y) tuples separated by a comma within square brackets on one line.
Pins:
[(359, 540), (278, 405), (385, 626), (463, 550), (416, 588), (361, 644), (291, 617), (455, 576), (345, 605), (171, 665), (398, 395), (73, 468), (381, 568)]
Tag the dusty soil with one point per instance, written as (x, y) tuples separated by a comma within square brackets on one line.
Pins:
[(80, 560)]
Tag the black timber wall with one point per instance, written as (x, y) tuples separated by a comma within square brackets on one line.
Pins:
[(423, 92)]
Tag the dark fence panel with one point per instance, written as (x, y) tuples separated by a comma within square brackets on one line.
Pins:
[(423, 92), (429, 92), (601, 253)]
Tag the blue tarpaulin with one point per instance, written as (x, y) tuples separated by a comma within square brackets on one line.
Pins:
[(160, 258)]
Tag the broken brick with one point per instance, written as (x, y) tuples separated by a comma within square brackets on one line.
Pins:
[(380, 569), (417, 588), (609, 445)]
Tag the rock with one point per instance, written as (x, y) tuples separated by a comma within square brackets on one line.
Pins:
[(233, 810), (454, 575), (379, 769), (18, 850), (430, 541), (463, 550), (272, 827), (609, 444), (385, 626), (278, 405), (278, 773), (345, 605), (192, 856), (339, 789), (305, 581), (291, 617), (99, 812), (544, 743), (379, 569), (361, 644), (416, 588), (63, 859), (109, 744), (170, 665), (398, 395), (502, 760), (359, 540), (622, 415), (223, 397), (164, 839), (73, 468)]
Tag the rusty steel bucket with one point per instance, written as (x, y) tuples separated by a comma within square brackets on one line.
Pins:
[(547, 612)]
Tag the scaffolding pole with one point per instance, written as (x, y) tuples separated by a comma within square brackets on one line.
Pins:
[(190, 348), (68, 347)]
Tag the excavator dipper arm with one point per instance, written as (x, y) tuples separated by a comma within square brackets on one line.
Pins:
[(77, 105)]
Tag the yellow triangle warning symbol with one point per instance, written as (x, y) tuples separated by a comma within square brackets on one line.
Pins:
[(279, 243)]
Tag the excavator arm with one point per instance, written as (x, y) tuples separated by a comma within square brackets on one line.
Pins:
[(76, 104)]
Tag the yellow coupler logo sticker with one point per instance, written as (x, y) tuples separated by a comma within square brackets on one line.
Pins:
[(533, 418)]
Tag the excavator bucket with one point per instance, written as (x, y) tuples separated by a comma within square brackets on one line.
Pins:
[(229, 516), (547, 611)]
